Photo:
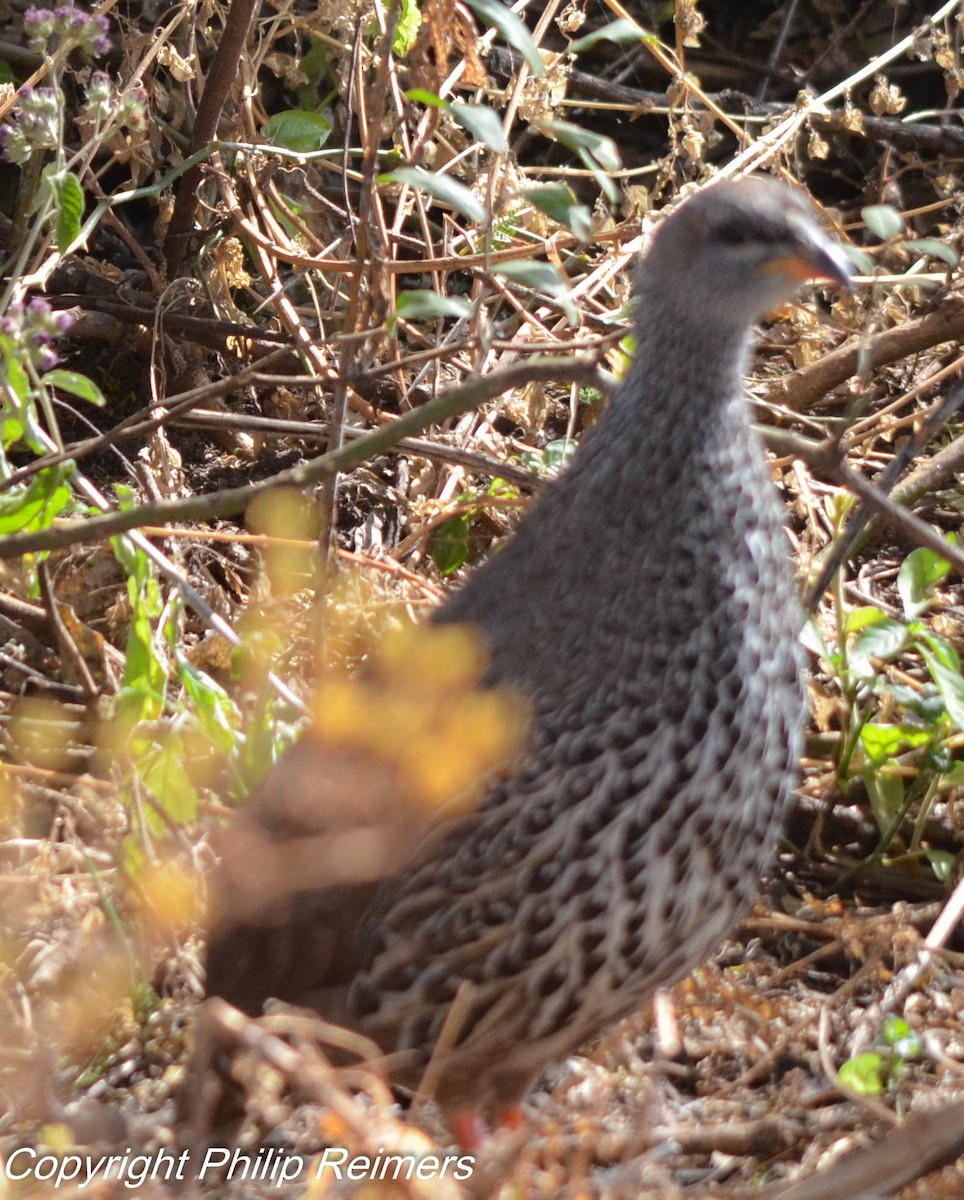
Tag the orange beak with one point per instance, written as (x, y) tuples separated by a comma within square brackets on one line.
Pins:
[(817, 261)]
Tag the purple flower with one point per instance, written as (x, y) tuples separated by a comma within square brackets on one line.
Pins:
[(46, 358), (88, 30), (32, 329)]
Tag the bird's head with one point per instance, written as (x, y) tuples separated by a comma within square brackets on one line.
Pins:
[(736, 250)]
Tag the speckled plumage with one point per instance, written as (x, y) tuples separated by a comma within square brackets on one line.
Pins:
[(646, 607)]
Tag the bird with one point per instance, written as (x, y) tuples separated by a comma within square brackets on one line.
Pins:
[(645, 608)]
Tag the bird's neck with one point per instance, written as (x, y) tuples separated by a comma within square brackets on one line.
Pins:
[(684, 393)]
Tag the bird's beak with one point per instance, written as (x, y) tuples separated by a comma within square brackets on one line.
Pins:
[(814, 259)]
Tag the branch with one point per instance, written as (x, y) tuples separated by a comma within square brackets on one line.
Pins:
[(450, 403), (818, 378), (221, 74)]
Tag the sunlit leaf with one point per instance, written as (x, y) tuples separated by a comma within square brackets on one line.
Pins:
[(941, 863), (406, 28), (935, 248), (540, 276), (442, 187), (860, 618), (904, 1041), (881, 640), (602, 149), (69, 198), (883, 220), (516, 35), (882, 742), (165, 776), (863, 1074), (425, 304), (919, 572), (34, 507), (423, 96), (557, 201), (950, 683), (483, 123), (622, 32)]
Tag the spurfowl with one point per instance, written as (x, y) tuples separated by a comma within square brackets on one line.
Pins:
[(646, 607)]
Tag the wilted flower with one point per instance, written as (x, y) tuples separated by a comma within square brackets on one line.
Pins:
[(35, 124), (105, 105)]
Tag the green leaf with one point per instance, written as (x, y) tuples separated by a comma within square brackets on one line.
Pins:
[(78, 385), (862, 261), (298, 130), (551, 459), (69, 199), (883, 220), (540, 276), (599, 153), (131, 557), (601, 149), (813, 640), (941, 863), (903, 1041), (442, 187), (315, 65), (882, 640), (164, 774), (623, 32), (502, 490), (12, 429), (141, 698), (860, 618), (919, 572), (882, 742), (512, 29), (17, 379), (558, 452), (942, 648), (557, 201), (425, 305), (24, 509), (483, 123), (863, 1074), (450, 545), (16, 399), (424, 96), (406, 28), (935, 248), (217, 714), (924, 702), (950, 684), (284, 211), (886, 794)]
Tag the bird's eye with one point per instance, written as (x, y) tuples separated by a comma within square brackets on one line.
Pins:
[(733, 234)]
